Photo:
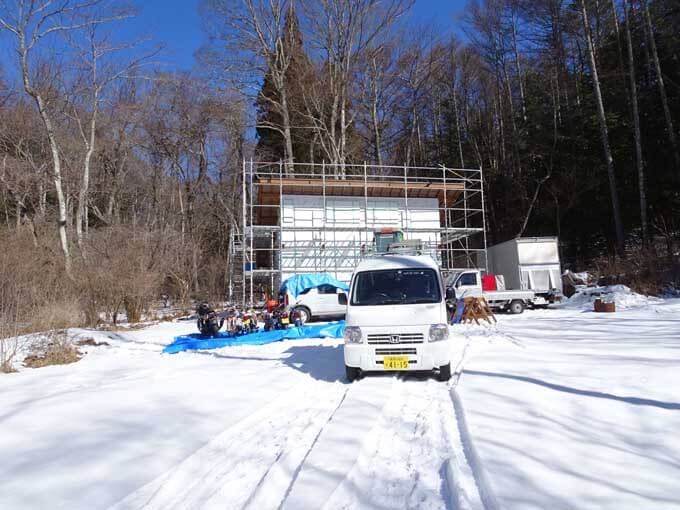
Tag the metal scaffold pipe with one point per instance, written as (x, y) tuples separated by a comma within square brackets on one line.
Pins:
[(307, 219)]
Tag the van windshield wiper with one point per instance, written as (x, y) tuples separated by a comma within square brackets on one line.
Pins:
[(390, 302), (419, 301)]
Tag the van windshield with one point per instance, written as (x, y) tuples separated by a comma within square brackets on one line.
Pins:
[(396, 287)]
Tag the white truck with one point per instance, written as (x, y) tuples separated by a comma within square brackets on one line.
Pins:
[(531, 275), (468, 283), (528, 263), (396, 317)]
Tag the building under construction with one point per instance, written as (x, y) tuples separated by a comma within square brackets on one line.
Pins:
[(305, 218)]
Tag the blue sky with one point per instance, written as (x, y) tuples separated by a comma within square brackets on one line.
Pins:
[(177, 25)]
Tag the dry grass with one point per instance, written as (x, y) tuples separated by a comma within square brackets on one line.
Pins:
[(88, 341), (54, 348), (644, 271), (6, 367), (123, 272)]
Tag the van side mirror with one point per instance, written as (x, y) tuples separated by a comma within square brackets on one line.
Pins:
[(342, 299), (450, 294)]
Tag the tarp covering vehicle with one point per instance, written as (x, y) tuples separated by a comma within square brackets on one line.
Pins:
[(299, 283)]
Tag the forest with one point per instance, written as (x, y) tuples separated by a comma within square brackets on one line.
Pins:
[(120, 180)]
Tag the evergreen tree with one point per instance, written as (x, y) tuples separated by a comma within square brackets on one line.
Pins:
[(270, 144)]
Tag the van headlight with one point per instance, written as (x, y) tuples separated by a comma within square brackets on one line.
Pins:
[(439, 332), (352, 335)]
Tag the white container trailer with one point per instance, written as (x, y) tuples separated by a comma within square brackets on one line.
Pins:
[(528, 263)]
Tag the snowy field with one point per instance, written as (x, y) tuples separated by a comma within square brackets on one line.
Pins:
[(552, 409)]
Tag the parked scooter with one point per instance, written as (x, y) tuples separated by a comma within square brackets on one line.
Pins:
[(209, 323)]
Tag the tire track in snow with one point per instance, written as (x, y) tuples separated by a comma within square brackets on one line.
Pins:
[(460, 475), (309, 450), (229, 469), (401, 461), (339, 444), (463, 474), (468, 484)]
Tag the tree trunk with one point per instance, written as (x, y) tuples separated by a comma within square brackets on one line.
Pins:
[(57, 179), (343, 132), (460, 142), (376, 131), (62, 218), (519, 68), (42, 201), (662, 87), (604, 133), (287, 136), (531, 205), (81, 213), (334, 156), (636, 127)]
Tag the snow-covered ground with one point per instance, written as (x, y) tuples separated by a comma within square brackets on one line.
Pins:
[(552, 409)]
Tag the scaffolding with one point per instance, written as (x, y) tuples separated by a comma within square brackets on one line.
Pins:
[(308, 217)]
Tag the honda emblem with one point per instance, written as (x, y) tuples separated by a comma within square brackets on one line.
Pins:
[(394, 339)]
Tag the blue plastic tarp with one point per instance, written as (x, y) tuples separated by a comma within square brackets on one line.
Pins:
[(197, 341), (299, 283)]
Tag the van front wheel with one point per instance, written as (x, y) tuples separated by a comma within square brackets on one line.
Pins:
[(445, 372), (352, 373)]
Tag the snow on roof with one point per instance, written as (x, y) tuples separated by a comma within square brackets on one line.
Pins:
[(397, 262)]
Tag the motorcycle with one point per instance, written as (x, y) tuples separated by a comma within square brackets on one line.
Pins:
[(249, 321), (209, 323), (282, 318), (296, 318), (269, 321)]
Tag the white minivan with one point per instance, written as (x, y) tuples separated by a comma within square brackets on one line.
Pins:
[(322, 302), (396, 317)]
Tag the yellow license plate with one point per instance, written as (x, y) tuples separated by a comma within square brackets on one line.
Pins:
[(285, 321), (246, 322), (395, 362)]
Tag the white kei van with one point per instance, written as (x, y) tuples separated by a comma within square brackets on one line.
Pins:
[(396, 317)]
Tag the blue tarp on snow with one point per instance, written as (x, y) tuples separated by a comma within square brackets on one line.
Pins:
[(300, 282), (197, 341)]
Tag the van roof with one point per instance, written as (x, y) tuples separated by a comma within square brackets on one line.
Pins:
[(397, 262)]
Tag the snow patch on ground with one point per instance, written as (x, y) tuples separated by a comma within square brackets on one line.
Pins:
[(623, 296)]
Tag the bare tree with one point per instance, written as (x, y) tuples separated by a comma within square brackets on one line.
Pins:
[(99, 73), (649, 30), (513, 8), (376, 95), (5, 92), (420, 62), (342, 30), (31, 23), (254, 35), (636, 125), (604, 133)]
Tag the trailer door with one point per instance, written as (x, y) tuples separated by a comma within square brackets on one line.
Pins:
[(540, 279)]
